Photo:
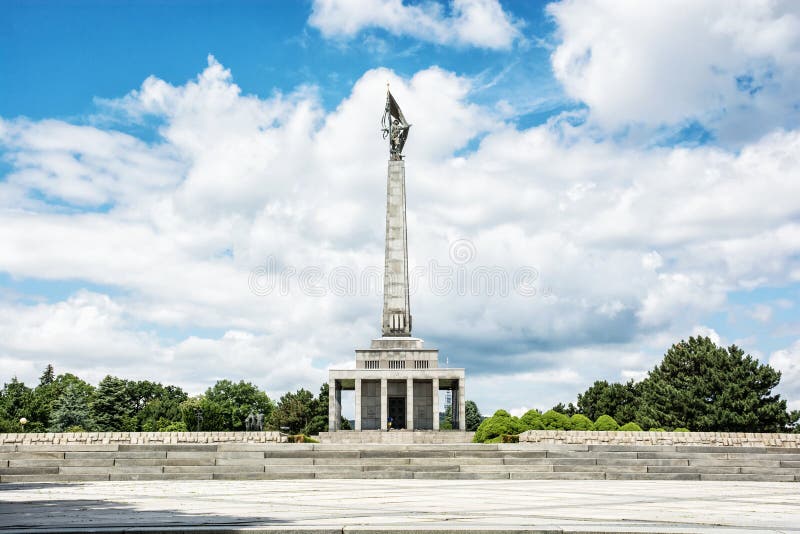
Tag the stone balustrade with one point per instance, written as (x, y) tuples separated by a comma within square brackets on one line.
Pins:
[(727, 439), (136, 438)]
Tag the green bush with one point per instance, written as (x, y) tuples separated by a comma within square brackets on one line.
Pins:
[(581, 422), (681, 429), (75, 429), (553, 420), (495, 426), (532, 420), (445, 425), (175, 426), (659, 429), (605, 422), (630, 427)]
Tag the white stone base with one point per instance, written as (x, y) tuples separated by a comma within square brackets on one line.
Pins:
[(396, 436)]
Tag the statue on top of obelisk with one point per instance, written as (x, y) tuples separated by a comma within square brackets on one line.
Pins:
[(394, 126), (396, 307)]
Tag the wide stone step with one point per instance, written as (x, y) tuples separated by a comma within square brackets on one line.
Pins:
[(57, 462), (750, 477), (464, 461), (28, 470), (693, 469)]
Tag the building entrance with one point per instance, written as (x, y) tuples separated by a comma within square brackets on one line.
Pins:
[(397, 411)]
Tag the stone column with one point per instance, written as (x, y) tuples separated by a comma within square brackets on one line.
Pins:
[(333, 421), (409, 403), (462, 405), (396, 309), (358, 404), (384, 403), (435, 396)]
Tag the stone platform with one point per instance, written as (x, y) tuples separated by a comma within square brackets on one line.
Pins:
[(396, 506), (396, 437), (464, 461)]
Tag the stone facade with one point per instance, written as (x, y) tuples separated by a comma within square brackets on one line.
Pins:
[(401, 437), (720, 439)]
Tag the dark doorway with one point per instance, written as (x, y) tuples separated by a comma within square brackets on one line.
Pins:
[(397, 411)]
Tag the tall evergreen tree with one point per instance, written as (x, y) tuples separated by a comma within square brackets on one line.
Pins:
[(111, 407), (71, 410), (48, 376), (620, 401), (704, 387)]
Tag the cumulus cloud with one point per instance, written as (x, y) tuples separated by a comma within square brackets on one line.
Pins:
[(478, 23), (91, 334), (734, 67), (787, 361), (626, 249)]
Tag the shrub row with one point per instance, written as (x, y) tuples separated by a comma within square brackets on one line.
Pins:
[(502, 425)]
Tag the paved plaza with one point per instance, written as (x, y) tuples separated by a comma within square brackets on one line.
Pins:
[(325, 506)]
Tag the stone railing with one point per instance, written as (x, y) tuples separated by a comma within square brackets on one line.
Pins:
[(90, 438), (727, 439)]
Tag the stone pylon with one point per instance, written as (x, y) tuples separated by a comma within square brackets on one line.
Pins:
[(396, 308)]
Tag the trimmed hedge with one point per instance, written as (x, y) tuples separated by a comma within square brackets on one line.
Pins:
[(581, 422), (553, 420), (630, 427), (606, 422), (532, 420), (495, 426)]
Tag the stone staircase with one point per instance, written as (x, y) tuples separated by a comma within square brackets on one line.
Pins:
[(81, 462)]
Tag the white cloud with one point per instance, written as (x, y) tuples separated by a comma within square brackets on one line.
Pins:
[(710, 333), (787, 361), (761, 312), (89, 335), (234, 179), (479, 23), (735, 66)]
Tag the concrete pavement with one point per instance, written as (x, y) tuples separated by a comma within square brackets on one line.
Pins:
[(328, 506)]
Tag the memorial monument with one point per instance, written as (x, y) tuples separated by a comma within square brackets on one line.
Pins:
[(396, 381)]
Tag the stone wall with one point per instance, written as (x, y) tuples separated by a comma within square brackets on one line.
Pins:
[(89, 438), (396, 437), (728, 439)]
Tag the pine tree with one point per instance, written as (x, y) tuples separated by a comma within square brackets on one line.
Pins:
[(704, 387), (48, 376), (71, 410), (111, 407)]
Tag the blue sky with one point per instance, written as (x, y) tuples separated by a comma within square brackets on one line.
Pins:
[(153, 154)]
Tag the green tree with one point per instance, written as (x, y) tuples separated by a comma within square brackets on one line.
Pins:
[(294, 411), (112, 409), (50, 390), (472, 416), (48, 376), (236, 401), (621, 401), (17, 402), (708, 388), (212, 415), (155, 406), (71, 410), (319, 409)]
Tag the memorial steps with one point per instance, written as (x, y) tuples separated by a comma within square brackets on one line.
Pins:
[(76, 463)]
